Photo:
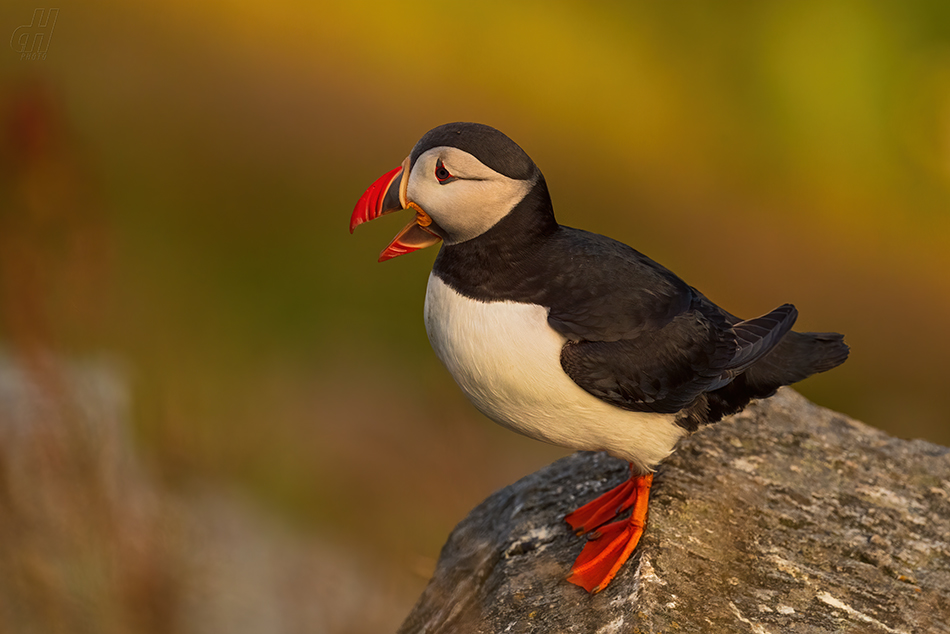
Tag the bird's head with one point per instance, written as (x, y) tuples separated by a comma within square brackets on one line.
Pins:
[(460, 179)]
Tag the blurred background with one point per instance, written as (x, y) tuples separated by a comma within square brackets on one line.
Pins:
[(219, 413)]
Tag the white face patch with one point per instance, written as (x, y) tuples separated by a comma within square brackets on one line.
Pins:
[(470, 204)]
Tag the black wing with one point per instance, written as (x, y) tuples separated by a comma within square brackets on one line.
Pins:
[(641, 338), (667, 369)]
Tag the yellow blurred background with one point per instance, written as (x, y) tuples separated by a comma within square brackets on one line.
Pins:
[(176, 180)]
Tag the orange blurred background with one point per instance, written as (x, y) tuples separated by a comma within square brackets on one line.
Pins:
[(176, 181)]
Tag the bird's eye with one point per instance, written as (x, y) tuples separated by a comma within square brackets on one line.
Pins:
[(442, 174)]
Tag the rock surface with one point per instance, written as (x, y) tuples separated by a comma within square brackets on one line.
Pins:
[(784, 518)]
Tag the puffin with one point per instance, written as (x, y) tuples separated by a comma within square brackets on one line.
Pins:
[(570, 337)]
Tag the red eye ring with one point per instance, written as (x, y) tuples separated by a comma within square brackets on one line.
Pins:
[(442, 174)]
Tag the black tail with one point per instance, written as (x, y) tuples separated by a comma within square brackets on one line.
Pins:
[(797, 356)]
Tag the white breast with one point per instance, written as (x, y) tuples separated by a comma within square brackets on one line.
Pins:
[(506, 359)]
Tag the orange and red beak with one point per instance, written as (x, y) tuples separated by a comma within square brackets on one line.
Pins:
[(386, 195)]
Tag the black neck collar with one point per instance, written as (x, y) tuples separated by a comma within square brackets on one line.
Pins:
[(489, 264)]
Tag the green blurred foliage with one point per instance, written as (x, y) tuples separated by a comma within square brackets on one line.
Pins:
[(206, 157)]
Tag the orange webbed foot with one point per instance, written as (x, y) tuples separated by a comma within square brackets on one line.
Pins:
[(602, 509), (609, 547)]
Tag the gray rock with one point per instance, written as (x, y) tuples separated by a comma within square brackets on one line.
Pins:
[(784, 518)]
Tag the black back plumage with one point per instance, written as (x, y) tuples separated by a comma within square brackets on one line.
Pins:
[(637, 336)]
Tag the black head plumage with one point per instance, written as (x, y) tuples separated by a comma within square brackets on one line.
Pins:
[(488, 145)]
